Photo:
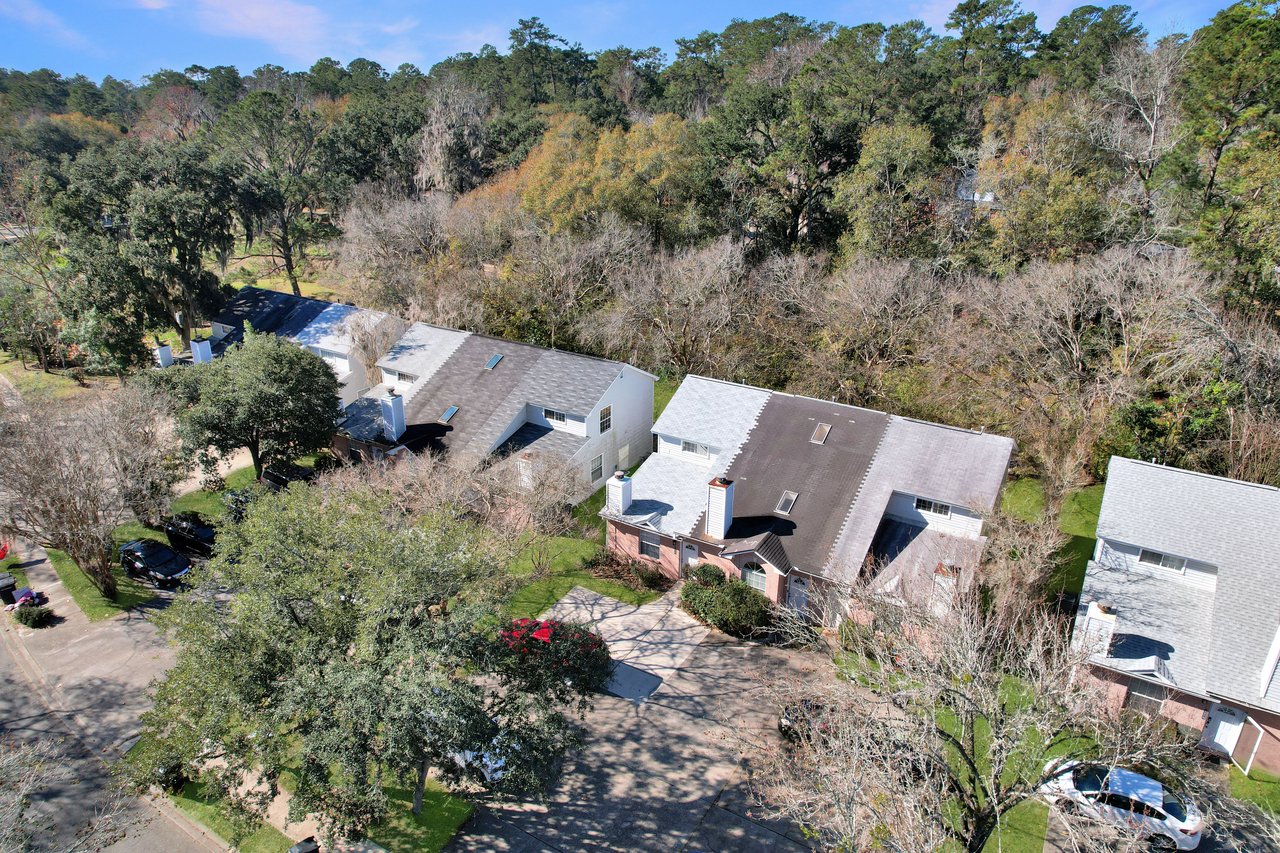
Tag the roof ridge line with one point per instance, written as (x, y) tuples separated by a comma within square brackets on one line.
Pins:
[(857, 493), (1173, 469)]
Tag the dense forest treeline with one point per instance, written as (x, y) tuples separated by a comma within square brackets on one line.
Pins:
[(1072, 236)]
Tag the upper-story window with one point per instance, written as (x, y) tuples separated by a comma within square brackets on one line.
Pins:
[(695, 448), (554, 416), (606, 419), (934, 507), (1164, 561)]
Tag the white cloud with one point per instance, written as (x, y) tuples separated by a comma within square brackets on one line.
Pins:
[(296, 30), (399, 28), (39, 18), (153, 4)]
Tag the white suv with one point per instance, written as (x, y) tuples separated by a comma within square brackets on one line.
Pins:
[(1123, 798)]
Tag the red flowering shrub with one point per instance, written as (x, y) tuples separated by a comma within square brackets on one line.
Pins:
[(547, 654)]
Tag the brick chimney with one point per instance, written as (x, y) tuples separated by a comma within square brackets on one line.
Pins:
[(719, 507), (617, 490)]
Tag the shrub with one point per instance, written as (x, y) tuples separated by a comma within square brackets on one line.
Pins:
[(707, 574), (549, 654), (33, 617), (651, 578), (730, 605)]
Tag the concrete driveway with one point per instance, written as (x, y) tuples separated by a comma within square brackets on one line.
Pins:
[(648, 642), (663, 772)]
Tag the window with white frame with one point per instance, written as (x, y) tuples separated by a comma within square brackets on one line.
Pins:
[(695, 448), (753, 576), (597, 468), (606, 419), (554, 416), (933, 507), (650, 545), (1164, 561), (786, 503)]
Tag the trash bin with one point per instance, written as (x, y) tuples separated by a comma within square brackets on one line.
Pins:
[(7, 586)]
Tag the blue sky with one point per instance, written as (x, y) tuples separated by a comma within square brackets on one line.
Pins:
[(131, 38)]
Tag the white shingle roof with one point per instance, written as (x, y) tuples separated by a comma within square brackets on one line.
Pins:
[(717, 414), (958, 466), (330, 330), (422, 349), (1230, 524)]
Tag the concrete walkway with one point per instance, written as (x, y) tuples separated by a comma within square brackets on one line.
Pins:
[(648, 642)]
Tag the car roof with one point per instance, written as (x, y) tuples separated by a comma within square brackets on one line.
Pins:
[(1136, 787)]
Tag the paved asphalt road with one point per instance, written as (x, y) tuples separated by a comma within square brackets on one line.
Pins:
[(83, 785)]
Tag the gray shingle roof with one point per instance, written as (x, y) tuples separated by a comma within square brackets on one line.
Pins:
[(422, 349), (779, 456), (1154, 618), (490, 401), (958, 466), (267, 312), (1227, 523), (765, 448), (541, 439)]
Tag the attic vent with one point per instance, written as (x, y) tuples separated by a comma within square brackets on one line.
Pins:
[(493, 361), (820, 434), (448, 414), (787, 501)]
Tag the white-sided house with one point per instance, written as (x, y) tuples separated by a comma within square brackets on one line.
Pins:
[(1181, 607), (475, 396), (796, 495)]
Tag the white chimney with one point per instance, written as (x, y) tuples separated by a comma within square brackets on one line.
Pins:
[(164, 355), (201, 352), (617, 490), (719, 507), (392, 416)]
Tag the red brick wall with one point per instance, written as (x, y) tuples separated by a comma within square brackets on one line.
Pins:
[(1267, 756)]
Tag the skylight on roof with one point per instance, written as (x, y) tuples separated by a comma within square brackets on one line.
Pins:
[(493, 361), (787, 501), (820, 434), (448, 414)]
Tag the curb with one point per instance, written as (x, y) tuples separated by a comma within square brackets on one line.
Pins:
[(78, 729)]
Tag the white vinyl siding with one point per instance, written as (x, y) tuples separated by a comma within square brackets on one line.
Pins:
[(650, 546), (557, 419), (958, 521), (1127, 557)]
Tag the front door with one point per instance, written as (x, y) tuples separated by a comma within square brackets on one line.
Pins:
[(1223, 729), (798, 594), (688, 554)]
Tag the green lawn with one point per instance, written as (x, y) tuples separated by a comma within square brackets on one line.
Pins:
[(9, 565), (1078, 519), (402, 832), (35, 385), (663, 390), (567, 556), (1023, 831), (130, 593), (206, 812), (1259, 787)]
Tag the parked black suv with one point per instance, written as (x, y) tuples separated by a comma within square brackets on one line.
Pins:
[(279, 476), (190, 533), (153, 561)]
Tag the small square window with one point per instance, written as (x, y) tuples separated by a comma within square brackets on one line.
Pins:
[(597, 468), (650, 546), (553, 415), (786, 502), (448, 414), (493, 361), (606, 419)]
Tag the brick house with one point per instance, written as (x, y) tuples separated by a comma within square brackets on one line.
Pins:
[(1181, 605), (797, 496)]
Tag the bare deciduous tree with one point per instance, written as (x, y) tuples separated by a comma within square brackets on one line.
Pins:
[(28, 770), (946, 722), (135, 431)]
